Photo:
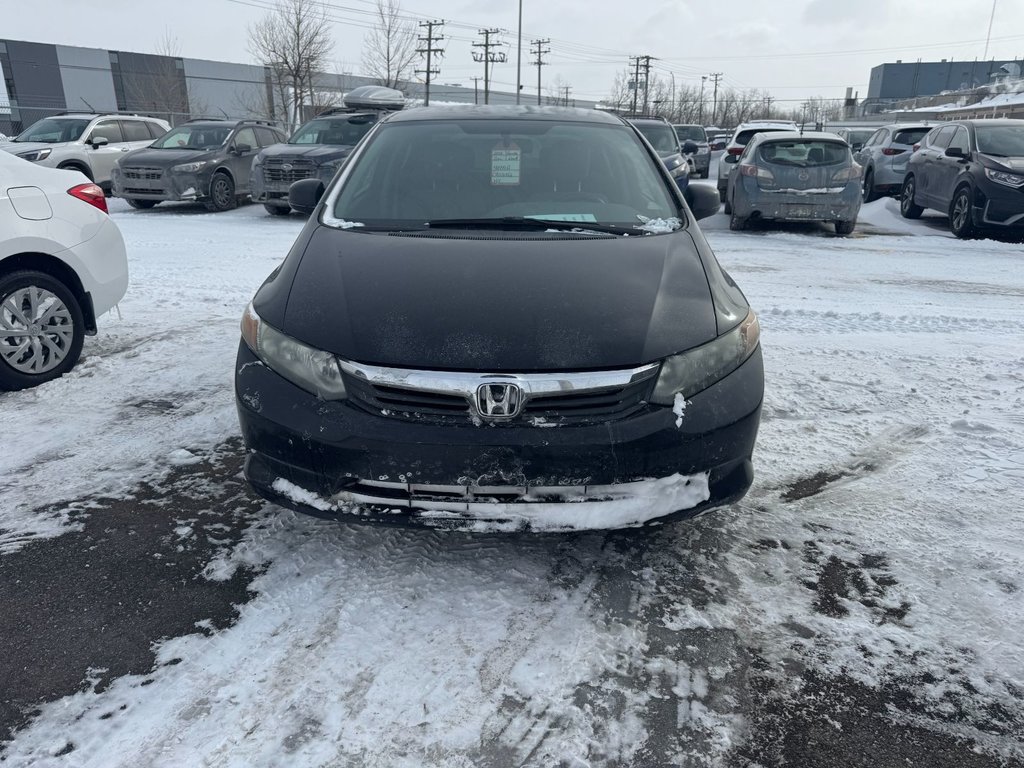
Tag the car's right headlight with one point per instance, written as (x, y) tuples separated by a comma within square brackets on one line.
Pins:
[(697, 369), (35, 155), (307, 367)]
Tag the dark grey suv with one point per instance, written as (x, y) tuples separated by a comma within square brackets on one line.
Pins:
[(202, 160)]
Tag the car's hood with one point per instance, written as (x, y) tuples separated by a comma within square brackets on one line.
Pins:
[(317, 152), (486, 304), (165, 158), (1015, 164)]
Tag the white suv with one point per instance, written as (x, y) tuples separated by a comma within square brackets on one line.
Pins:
[(62, 264), (85, 142), (740, 137)]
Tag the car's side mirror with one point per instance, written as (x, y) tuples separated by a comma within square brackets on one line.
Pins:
[(731, 159), (690, 147), (955, 152), (242, 149), (703, 200), (304, 196), (98, 141)]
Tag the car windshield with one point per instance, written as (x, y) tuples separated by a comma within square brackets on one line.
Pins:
[(412, 173), (334, 130), (54, 130), (661, 136), (194, 137), (910, 136), (690, 133), (1002, 140), (805, 154)]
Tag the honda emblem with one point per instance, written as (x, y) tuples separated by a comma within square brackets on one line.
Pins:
[(499, 401)]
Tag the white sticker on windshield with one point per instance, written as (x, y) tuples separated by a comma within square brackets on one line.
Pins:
[(505, 165)]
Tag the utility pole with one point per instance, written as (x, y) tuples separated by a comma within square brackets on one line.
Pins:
[(768, 106), (488, 57), (476, 89), (634, 61), (566, 89), (647, 78), (700, 107), (429, 50), (539, 61), (715, 77), (519, 54)]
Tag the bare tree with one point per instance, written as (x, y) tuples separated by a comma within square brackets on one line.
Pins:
[(294, 42), (389, 49)]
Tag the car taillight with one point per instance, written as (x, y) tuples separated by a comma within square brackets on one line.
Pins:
[(757, 172), (735, 150), (847, 174), (893, 151), (91, 194)]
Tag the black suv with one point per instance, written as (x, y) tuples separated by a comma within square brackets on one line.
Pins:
[(974, 171), (206, 160), (318, 148)]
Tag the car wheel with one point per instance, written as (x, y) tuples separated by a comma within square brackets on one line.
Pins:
[(845, 227), (722, 195), (869, 192), (277, 210), (737, 223), (727, 209), (141, 205), (222, 193), (960, 222), (41, 329), (908, 208), (82, 169)]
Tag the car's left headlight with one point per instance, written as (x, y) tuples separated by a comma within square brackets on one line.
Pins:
[(697, 369), (189, 167), (702, 150), (1002, 177), (35, 155), (312, 369), (327, 170)]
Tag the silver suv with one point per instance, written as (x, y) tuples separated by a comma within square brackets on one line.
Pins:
[(884, 157), (85, 142)]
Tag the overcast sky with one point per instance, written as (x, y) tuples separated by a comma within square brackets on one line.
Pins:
[(793, 48)]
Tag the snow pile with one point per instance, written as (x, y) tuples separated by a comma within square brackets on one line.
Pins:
[(658, 226)]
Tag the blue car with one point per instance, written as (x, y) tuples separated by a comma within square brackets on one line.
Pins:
[(662, 137)]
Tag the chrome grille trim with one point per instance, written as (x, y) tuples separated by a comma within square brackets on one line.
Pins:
[(466, 384)]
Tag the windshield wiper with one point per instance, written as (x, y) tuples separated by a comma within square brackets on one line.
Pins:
[(530, 224)]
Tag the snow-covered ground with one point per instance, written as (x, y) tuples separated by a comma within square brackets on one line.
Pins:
[(882, 544)]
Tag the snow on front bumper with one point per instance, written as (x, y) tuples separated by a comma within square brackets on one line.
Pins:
[(510, 508)]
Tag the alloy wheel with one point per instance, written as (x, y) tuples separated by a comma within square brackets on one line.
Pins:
[(36, 330)]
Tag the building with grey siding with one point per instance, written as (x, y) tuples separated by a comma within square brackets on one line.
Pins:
[(907, 80), (42, 79)]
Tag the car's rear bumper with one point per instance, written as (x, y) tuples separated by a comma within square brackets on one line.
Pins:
[(749, 200), (336, 460), (102, 265)]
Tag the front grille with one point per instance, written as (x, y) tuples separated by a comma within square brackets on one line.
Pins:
[(142, 191), (150, 174), (275, 172), (562, 408)]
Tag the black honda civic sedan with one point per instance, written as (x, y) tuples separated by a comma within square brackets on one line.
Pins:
[(500, 318)]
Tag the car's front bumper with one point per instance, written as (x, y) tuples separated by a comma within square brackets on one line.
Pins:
[(997, 205), (169, 186), (333, 459)]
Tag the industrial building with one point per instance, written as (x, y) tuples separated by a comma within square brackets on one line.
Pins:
[(41, 79), (897, 81)]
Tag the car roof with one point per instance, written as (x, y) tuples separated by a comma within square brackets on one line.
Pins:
[(1007, 121), (764, 124), (511, 112)]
